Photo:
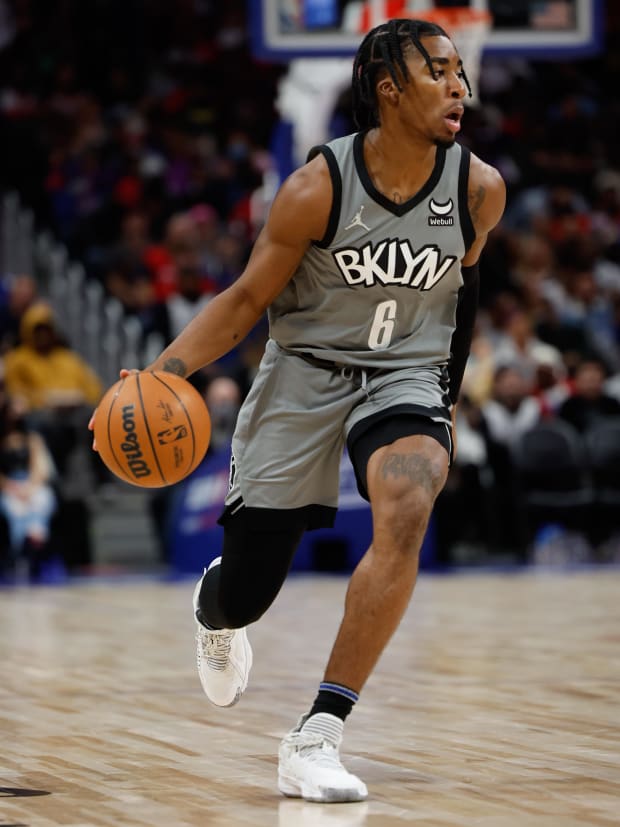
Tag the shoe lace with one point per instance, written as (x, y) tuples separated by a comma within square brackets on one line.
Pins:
[(215, 648), (319, 750)]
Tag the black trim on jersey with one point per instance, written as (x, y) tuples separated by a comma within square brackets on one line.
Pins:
[(467, 225), (334, 172), (379, 197), (388, 430), (360, 428)]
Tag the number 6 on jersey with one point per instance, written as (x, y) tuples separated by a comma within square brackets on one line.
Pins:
[(382, 325)]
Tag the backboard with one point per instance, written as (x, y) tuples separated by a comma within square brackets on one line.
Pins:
[(543, 29)]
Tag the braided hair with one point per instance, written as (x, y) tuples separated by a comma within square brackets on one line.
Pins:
[(383, 48)]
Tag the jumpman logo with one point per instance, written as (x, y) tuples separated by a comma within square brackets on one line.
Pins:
[(357, 220)]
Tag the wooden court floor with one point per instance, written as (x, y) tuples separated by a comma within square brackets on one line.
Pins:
[(497, 704)]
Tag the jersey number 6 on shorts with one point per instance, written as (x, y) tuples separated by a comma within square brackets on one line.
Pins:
[(382, 325)]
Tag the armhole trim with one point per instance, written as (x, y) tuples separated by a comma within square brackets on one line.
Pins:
[(467, 225), (336, 178)]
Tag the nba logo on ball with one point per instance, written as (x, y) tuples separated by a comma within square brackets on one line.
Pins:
[(152, 428), (172, 434)]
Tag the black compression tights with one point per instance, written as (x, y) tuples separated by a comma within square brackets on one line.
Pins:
[(253, 569)]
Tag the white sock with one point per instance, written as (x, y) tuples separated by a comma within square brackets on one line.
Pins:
[(329, 726)]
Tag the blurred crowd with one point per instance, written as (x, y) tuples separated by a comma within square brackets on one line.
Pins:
[(142, 135)]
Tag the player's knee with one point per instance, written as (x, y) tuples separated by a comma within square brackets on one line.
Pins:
[(410, 484), (235, 613), (254, 567), (226, 605), (403, 522), (403, 508)]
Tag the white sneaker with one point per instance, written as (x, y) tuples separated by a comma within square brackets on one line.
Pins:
[(223, 657), (309, 765)]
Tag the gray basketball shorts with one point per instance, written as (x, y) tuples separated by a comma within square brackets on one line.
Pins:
[(295, 422)]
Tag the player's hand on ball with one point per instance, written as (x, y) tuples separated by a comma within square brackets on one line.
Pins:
[(91, 423)]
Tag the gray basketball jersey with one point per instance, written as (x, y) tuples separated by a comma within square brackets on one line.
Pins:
[(381, 288)]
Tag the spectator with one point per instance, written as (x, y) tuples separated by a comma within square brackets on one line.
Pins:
[(583, 301), (589, 402), (498, 314), (552, 385), (223, 398), (27, 500), (511, 411), (532, 269), (128, 276), (43, 370), (549, 210), (58, 388), (183, 253), (520, 348), (169, 317), (207, 223), (232, 253)]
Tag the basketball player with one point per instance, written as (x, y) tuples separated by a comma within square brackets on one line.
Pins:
[(368, 268)]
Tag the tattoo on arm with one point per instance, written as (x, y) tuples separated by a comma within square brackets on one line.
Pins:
[(474, 201), (174, 365), (418, 469)]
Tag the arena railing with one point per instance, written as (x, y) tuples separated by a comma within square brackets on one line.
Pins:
[(94, 324)]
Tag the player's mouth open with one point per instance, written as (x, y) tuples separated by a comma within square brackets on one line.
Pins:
[(453, 121)]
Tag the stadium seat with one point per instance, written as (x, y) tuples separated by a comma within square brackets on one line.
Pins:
[(602, 442), (552, 475)]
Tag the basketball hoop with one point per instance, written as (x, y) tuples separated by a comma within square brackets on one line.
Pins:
[(468, 27)]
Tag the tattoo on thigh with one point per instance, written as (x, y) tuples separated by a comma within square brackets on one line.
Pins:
[(174, 365), (417, 468)]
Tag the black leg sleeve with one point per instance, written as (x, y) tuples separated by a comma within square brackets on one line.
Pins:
[(254, 567), (461, 338)]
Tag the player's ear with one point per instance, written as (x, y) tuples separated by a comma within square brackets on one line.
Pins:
[(387, 90)]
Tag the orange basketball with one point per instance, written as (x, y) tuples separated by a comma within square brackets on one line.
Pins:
[(152, 428)]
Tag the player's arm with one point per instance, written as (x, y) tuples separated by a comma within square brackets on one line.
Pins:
[(298, 216), (486, 202), (486, 199)]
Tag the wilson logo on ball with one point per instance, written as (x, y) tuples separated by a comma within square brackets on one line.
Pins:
[(131, 447)]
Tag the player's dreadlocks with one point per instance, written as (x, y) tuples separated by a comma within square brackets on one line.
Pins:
[(383, 48)]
